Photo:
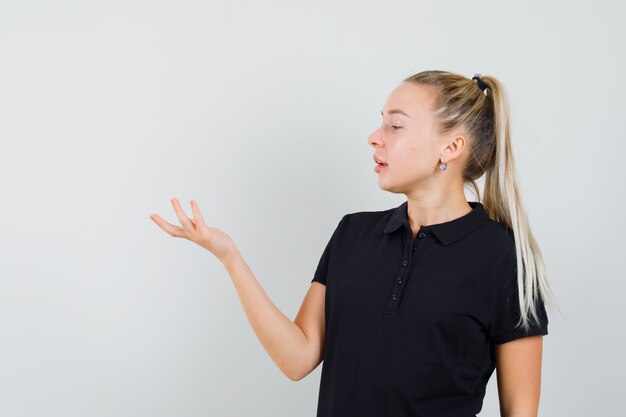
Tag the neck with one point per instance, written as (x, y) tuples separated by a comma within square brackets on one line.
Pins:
[(426, 213)]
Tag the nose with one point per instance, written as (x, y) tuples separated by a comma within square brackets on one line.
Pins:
[(374, 138)]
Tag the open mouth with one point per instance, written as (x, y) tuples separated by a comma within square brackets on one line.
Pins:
[(379, 161)]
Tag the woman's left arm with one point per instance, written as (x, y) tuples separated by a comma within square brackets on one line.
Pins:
[(518, 370)]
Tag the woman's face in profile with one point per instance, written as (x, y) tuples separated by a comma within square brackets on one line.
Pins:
[(406, 140)]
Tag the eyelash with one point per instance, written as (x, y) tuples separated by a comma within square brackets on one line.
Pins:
[(395, 127)]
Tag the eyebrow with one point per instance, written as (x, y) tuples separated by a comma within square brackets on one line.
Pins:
[(395, 111)]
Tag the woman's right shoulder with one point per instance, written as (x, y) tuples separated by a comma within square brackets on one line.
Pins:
[(361, 221)]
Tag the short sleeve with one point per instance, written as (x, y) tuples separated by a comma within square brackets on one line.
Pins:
[(507, 313), (322, 267)]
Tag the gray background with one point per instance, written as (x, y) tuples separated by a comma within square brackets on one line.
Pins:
[(261, 112)]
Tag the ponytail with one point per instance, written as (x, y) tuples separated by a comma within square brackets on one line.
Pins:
[(503, 203)]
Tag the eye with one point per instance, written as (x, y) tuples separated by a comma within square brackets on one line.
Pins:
[(395, 127)]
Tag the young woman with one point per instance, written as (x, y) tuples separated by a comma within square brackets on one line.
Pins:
[(413, 308)]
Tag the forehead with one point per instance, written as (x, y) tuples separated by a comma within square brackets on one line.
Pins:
[(413, 99)]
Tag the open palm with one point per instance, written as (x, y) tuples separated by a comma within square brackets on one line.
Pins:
[(196, 230)]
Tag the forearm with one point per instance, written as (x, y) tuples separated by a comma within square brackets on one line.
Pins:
[(283, 340)]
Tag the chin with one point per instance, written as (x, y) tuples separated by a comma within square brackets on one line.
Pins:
[(392, 188)]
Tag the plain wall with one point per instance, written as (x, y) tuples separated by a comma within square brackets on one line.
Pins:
[(260, 111)]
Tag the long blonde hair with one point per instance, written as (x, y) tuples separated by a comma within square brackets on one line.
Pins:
[(484, 116)]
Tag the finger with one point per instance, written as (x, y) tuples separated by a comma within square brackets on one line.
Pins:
[(182, 217), (196, 213), (167, 227)]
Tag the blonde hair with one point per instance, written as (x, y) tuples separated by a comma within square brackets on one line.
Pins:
[(484, 116)]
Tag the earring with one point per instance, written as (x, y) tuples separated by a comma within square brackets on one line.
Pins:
[(443, 165)]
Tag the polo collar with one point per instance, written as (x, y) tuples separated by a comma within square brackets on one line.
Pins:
[(446, 232)]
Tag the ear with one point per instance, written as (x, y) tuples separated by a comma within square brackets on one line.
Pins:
[(454, 147)]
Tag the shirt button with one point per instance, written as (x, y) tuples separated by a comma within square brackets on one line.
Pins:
[(421, 234), (394, 297), (399, 281), (405, 263)]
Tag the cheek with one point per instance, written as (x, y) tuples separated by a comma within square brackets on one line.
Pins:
[(405, 153), (406, 161), (412, 159), (409, 152)]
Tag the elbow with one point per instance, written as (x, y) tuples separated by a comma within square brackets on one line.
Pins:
[(301, 366), (297, 374), (290, 371), (294, 376)]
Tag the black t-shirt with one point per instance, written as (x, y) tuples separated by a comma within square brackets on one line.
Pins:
[(411, 323)]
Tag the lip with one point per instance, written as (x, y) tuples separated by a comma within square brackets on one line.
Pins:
[(377, 159)]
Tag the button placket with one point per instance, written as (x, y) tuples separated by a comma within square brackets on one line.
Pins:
[(398, 288), (411, 247)]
